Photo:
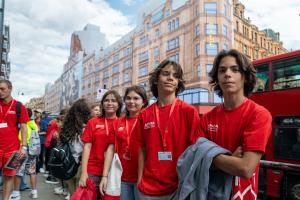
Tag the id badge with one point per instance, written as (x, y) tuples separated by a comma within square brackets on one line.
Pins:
[(3, 125), (165, 155)]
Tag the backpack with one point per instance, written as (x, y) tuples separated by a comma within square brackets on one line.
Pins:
[(18, 113), (62, 164), (34, 146)]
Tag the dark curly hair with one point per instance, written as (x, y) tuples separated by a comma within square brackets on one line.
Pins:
[(140, 91), (154, 76), (118, 98), (73, 123), (245, 67)]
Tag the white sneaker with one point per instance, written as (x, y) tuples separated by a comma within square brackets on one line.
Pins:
[(66, 192), (33, 194), (68, 196), (42, 170), (58, 190), (15, 196)]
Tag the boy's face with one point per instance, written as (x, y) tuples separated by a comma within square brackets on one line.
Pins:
[(167, 80), (230, 78)]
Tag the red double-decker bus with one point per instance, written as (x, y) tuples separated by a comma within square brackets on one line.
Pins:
[(278, 90)]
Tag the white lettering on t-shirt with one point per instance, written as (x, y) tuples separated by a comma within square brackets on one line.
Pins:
[(11, 112), (149, 125), (121, 128), (100, 126), (212, 127)]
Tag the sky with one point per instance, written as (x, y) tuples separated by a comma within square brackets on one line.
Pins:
[(40, 32)]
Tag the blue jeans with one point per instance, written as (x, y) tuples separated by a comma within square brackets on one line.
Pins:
[(129, 191)]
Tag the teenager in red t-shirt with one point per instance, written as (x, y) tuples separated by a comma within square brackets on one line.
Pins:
[(164, 130), (98, 137), (135, 99), (237, 124), (9, 141)]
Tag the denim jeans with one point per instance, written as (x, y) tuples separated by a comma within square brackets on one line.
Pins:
[(129, 191)]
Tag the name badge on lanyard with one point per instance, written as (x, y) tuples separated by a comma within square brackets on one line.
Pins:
[(3, 125), (164, 155)]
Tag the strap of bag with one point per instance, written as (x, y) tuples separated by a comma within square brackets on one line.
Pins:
[(18, 113)]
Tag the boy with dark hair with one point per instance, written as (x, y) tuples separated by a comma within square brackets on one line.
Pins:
[(164, 130), (237, 124)]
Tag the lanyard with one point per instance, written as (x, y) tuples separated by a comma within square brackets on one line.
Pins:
[(163, 134), (127, 131), (106, 126), (6, 111)]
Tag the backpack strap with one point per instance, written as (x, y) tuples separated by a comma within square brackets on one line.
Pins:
[(18, 113)]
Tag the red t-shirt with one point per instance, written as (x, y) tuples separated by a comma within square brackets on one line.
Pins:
[(9, 140), (249, 126), (128, 153), (160, 176), (96, 133), (52, 128)]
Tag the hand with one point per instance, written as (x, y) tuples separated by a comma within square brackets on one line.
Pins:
[(103, 185), (238, 152), (83, 178), (22, 153)]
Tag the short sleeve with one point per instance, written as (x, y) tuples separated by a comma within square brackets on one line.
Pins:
[(256, 135), (24, 118), (87, 135)]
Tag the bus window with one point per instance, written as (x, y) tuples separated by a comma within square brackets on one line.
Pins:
[(262, 78), (287, 143), (286, 74)]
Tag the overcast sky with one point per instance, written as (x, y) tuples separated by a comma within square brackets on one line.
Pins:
[(40, 32)]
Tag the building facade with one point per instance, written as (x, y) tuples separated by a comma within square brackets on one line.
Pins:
[(36, 103), (4, 45), (190, 32)]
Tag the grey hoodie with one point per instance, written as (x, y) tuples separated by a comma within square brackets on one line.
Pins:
[(196, 180)]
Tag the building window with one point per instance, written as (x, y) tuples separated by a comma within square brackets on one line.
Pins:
[(225, 30), (225, 10), (211, 48), (115, 69), (210, 8), (105, 84), (143, 71), (157, 33), (208, 68), (217, 99), (197, 30), (127, 51), (173, 24), (97, 78), (173, 43), (156, 63), (211, 29), (197, 49), (125, 77), (116, 57), (156, 51), (157, 17), (225, 47), (144, 85), (98, 67), (196, 10), (175, 58), (127, 64), (115, 81), (198, 70), (144, 40), (106, 74), (168, 13), (143, 56)]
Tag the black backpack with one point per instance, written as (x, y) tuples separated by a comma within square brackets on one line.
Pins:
[(62, 164)]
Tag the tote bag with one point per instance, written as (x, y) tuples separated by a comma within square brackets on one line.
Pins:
[(114, 177)]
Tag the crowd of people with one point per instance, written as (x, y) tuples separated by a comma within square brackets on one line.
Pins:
[(149, 140)]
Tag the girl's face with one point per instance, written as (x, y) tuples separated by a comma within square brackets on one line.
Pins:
[(110, 104), (133, 103), (96, 111)]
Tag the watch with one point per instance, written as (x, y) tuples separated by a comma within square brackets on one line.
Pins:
[(24, 147)]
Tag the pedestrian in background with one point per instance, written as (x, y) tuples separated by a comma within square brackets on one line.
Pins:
[(42, 133), (135, 100), (95, 110), (98, 137)]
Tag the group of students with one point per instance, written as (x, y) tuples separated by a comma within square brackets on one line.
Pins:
[(150, 140)]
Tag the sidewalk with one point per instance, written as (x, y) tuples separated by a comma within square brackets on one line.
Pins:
[(45, 190)]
